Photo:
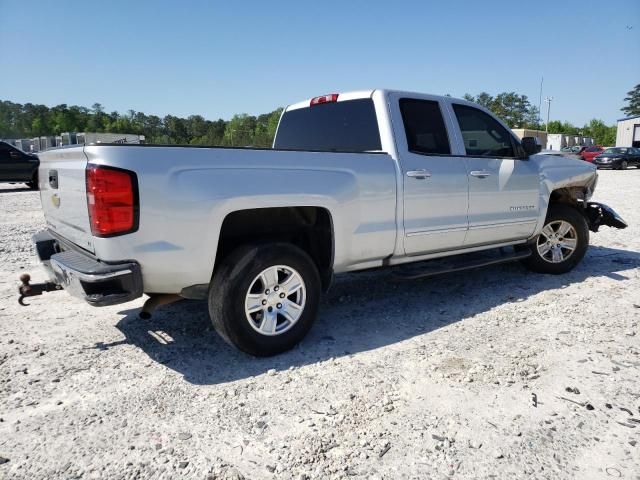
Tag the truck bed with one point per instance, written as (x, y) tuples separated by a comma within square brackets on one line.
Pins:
[(184, 199)]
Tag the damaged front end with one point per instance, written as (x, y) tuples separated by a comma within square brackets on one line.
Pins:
[(599, 214)]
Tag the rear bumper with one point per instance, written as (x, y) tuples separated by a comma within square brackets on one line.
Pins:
[(98, 283)]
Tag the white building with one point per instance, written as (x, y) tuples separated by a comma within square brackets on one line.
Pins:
[(554, 141), (91, 137), (628, 134)]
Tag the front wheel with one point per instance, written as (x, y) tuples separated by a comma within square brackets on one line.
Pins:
[(624, 165), (33, 184), (562, 243), (264, 298)]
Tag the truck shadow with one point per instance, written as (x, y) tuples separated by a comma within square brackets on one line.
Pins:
[(15, 189), (362, 312)]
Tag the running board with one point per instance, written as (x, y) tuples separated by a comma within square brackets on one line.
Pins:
[(458, 263)]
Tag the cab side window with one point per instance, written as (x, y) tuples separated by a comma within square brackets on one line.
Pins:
[(482, 134), (424, 127)]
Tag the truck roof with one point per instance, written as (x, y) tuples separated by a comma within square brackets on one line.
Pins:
[(356, 94)]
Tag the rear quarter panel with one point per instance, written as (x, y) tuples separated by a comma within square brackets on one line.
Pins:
[(186, 193)]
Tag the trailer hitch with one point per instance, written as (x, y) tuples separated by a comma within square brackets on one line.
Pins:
[(29, 290)]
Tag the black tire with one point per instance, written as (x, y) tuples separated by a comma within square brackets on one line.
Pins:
[(571, 215), (624, 165), (232, 281), (33, 184)]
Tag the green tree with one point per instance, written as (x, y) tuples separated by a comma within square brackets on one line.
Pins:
[(514, 109), (556, 126), (240, 131), (265, 130), (601, 133), (633, 99)]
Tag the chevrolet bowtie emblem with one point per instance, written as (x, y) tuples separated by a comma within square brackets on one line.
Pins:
[(55, 199)]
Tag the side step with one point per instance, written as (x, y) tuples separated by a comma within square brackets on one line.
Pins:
[(457, 263)]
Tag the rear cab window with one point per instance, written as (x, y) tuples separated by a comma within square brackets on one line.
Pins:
[(342, 126)]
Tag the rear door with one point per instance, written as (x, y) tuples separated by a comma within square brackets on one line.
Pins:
[(15, 165), (63, 194), (435, 181), (503, 187), (6, 170), (24, 164)]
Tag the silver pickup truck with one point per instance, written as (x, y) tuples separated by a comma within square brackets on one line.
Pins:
[(354, 181)]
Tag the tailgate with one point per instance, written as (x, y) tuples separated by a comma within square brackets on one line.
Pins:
[(63, 194)]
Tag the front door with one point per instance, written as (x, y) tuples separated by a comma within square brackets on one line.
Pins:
[(503, 187), (435, 181)]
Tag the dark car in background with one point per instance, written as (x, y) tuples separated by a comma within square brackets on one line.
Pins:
[(17, 166), (588, 154), (619, 158)]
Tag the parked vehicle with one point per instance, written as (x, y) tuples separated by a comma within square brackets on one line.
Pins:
[(588, 154), (354, 181), (578, 149), (566, 149), (17, 166), (619, 158), (560, 153)]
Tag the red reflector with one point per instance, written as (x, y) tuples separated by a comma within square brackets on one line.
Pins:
[(332, 97), (112, 199)]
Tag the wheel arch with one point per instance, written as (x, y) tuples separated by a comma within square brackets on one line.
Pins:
[(310, 228), (572, 196)]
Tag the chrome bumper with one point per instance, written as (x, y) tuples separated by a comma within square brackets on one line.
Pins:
[(98, 283)]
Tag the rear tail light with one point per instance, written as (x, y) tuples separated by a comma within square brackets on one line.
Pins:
[(332, 97), (112, 199)]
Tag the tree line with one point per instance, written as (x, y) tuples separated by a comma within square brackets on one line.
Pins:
[(32, 120)]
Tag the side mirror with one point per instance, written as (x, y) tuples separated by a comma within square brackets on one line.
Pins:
[(531, 145)]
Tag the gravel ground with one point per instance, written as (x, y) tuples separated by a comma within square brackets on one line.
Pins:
[(426, 379)]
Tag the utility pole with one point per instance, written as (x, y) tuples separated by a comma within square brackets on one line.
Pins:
[(548, 101), (540, 103)]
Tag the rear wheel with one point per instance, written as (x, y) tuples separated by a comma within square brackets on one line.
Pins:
[(264, 298), (624, 165), (562, 243)]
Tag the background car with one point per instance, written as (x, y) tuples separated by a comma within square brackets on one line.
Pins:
[(559, 153), (578, 149), (588, 154), (17, 166), (619, 158)]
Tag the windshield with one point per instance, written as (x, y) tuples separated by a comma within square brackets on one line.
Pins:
[(615, 150)]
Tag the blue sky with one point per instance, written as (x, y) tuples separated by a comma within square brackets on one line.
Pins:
[(218, 58)]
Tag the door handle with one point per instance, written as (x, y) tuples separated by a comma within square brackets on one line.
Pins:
[(419, 174), (480, 173)]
